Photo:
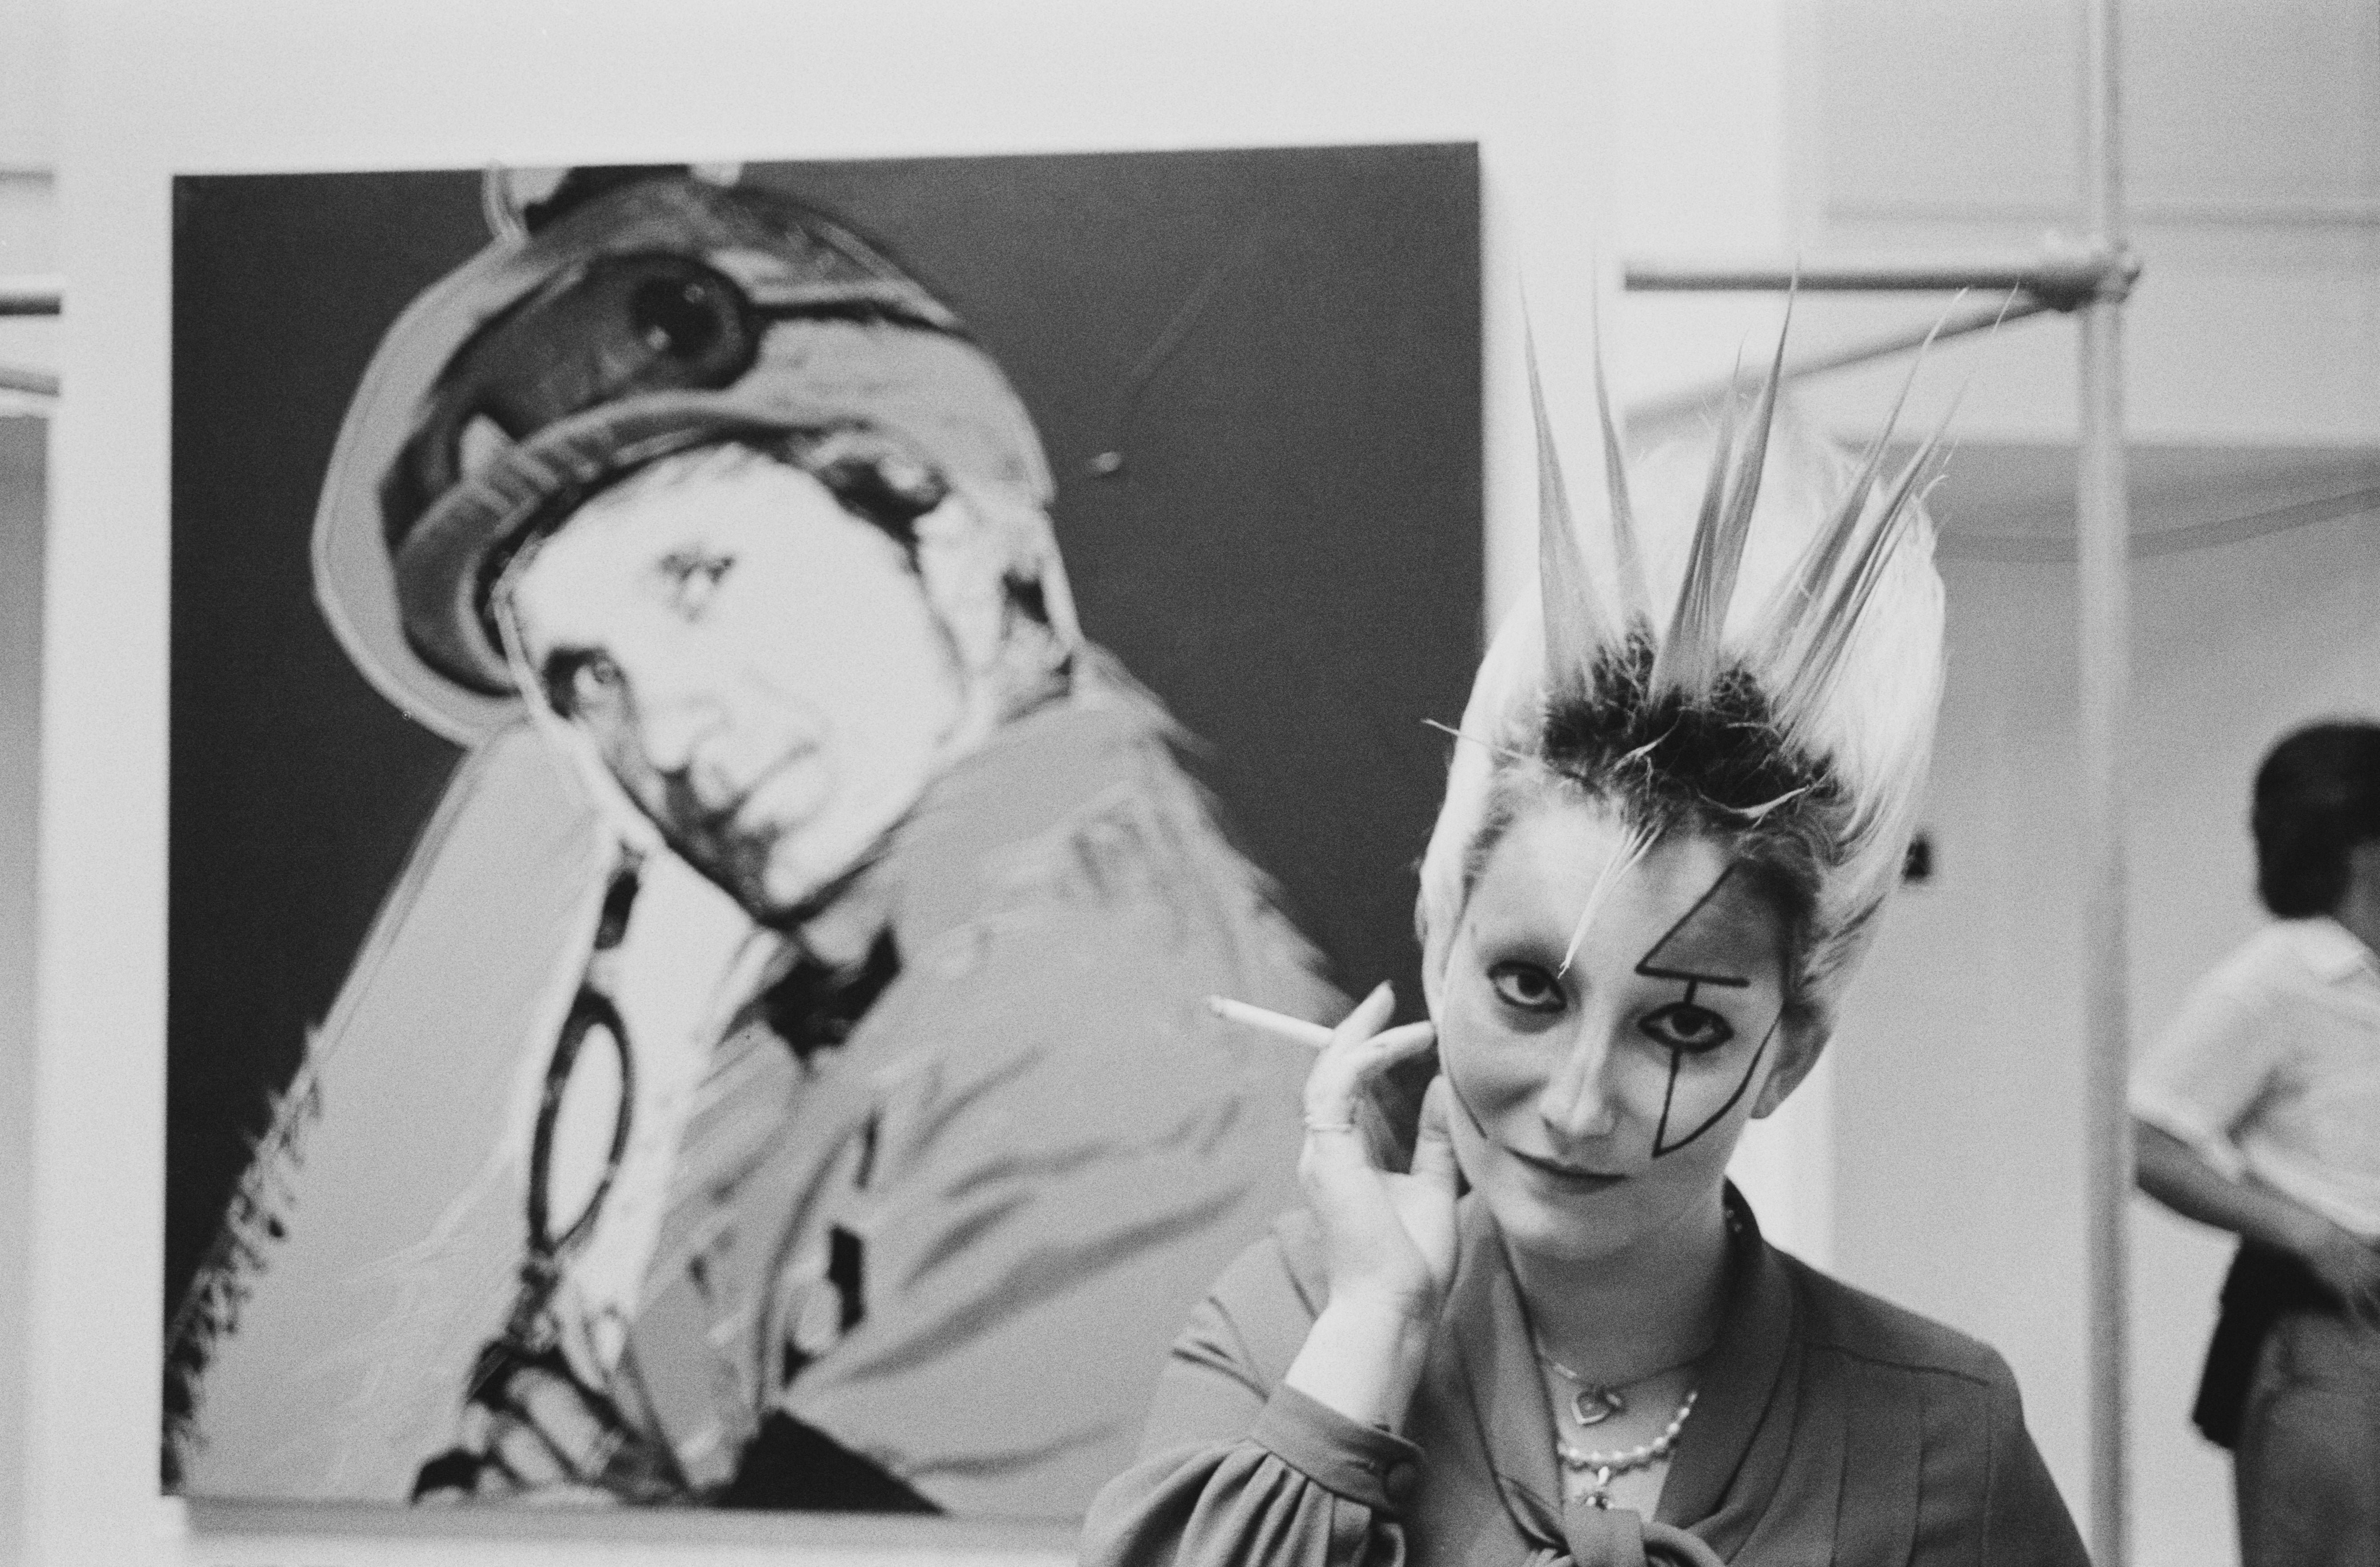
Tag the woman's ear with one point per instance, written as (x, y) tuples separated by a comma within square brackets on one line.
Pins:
[(1805, 1035)]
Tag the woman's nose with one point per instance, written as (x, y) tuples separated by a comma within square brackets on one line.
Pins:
[(1580, 1099)]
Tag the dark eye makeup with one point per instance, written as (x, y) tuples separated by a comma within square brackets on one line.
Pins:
[(1683, 1027), (1526, 986)]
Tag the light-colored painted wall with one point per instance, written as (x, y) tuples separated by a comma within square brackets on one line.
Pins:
[(1960, 1153), (2252, 344), (2252, 169)]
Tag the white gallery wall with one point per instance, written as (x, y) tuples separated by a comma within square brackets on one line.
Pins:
[(1940, 1158), (1959, 1111), (2253, 346)]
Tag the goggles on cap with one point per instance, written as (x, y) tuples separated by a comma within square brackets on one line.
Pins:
[(616, 327)]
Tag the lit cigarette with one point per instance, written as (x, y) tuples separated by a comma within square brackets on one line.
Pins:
[(1312, 1035)]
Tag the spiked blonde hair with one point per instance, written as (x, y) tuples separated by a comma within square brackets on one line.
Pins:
[(1782, 703)]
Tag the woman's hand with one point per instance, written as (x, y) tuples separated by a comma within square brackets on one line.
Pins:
[(1387, 1239)]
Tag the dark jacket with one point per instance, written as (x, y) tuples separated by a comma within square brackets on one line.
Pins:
[(1832, 1428)]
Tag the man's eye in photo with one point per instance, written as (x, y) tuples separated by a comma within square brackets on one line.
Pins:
[(581, 682)]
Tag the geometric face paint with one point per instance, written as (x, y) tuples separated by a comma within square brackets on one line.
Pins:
[(1569, 1077), (1697, 950)]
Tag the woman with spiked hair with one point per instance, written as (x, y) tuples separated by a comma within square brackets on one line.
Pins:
[(1682, 789)]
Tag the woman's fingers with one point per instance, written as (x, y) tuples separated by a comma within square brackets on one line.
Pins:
[(1433, 1160), (1365, 1019), (1338, 1076), (1358, 1047)]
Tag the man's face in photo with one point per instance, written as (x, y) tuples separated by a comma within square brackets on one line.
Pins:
[(759, 668)]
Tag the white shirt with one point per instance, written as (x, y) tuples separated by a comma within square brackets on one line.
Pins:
[(2273, 1067)]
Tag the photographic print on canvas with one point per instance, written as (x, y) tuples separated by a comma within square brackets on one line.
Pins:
[(726, 722)]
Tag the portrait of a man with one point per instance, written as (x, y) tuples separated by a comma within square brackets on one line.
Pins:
[(779, 1073)]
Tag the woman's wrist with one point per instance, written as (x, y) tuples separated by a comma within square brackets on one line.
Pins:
[(1363, 1357)]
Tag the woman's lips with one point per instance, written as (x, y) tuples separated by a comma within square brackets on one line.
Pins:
[(1568, 1175)]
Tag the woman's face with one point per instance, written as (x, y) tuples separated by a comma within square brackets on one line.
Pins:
[(1598, 1102)]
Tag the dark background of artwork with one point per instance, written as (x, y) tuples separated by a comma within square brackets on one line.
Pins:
[(1289, 554)]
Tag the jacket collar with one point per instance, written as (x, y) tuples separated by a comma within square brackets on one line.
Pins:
[(1034, 776)]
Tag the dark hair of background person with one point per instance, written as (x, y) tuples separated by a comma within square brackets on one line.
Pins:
[(2317, 797)]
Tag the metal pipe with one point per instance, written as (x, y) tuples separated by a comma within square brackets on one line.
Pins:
[(2064, 275), (1661, 410), (39, 295), (2102, 616)]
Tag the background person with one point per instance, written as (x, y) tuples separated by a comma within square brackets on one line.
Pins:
[(1673, 819), (2258, 1111)]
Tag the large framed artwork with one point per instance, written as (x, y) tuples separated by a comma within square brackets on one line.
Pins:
[(726, 724)]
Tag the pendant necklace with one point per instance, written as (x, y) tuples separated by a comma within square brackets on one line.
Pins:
[(1604, 1468), (1594, 1402)]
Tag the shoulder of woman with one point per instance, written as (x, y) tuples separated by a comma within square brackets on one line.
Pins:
[(1838, 1317)]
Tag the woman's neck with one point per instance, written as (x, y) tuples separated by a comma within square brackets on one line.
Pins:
[(1626, 1315)]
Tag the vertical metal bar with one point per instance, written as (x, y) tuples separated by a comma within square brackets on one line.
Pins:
[(2104, 613)]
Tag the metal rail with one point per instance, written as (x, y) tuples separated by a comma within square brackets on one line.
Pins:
[(1656, 411), (2103, 631), (2090, 279), (39, 295), (2062, 276)]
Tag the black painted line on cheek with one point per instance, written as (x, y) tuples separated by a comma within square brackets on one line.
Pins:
[(1676, 1058), (1719, 1115)]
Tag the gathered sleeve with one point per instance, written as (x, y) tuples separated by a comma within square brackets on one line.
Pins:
[(1237, 1469)]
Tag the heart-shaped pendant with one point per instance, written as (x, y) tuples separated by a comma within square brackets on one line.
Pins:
[(1592, 1405)]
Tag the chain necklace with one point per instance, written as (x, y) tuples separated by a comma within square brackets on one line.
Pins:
[(1596, 1402), (1607, 1466)]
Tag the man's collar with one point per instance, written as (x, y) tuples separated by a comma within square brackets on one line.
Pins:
[(2331, 951), (1033, 774)]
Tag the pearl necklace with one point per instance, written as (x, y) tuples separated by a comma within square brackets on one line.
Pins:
[(1627, 1461)]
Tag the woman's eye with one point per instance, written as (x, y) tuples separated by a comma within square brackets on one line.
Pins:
[(1526, 986), (1682, 1026)]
